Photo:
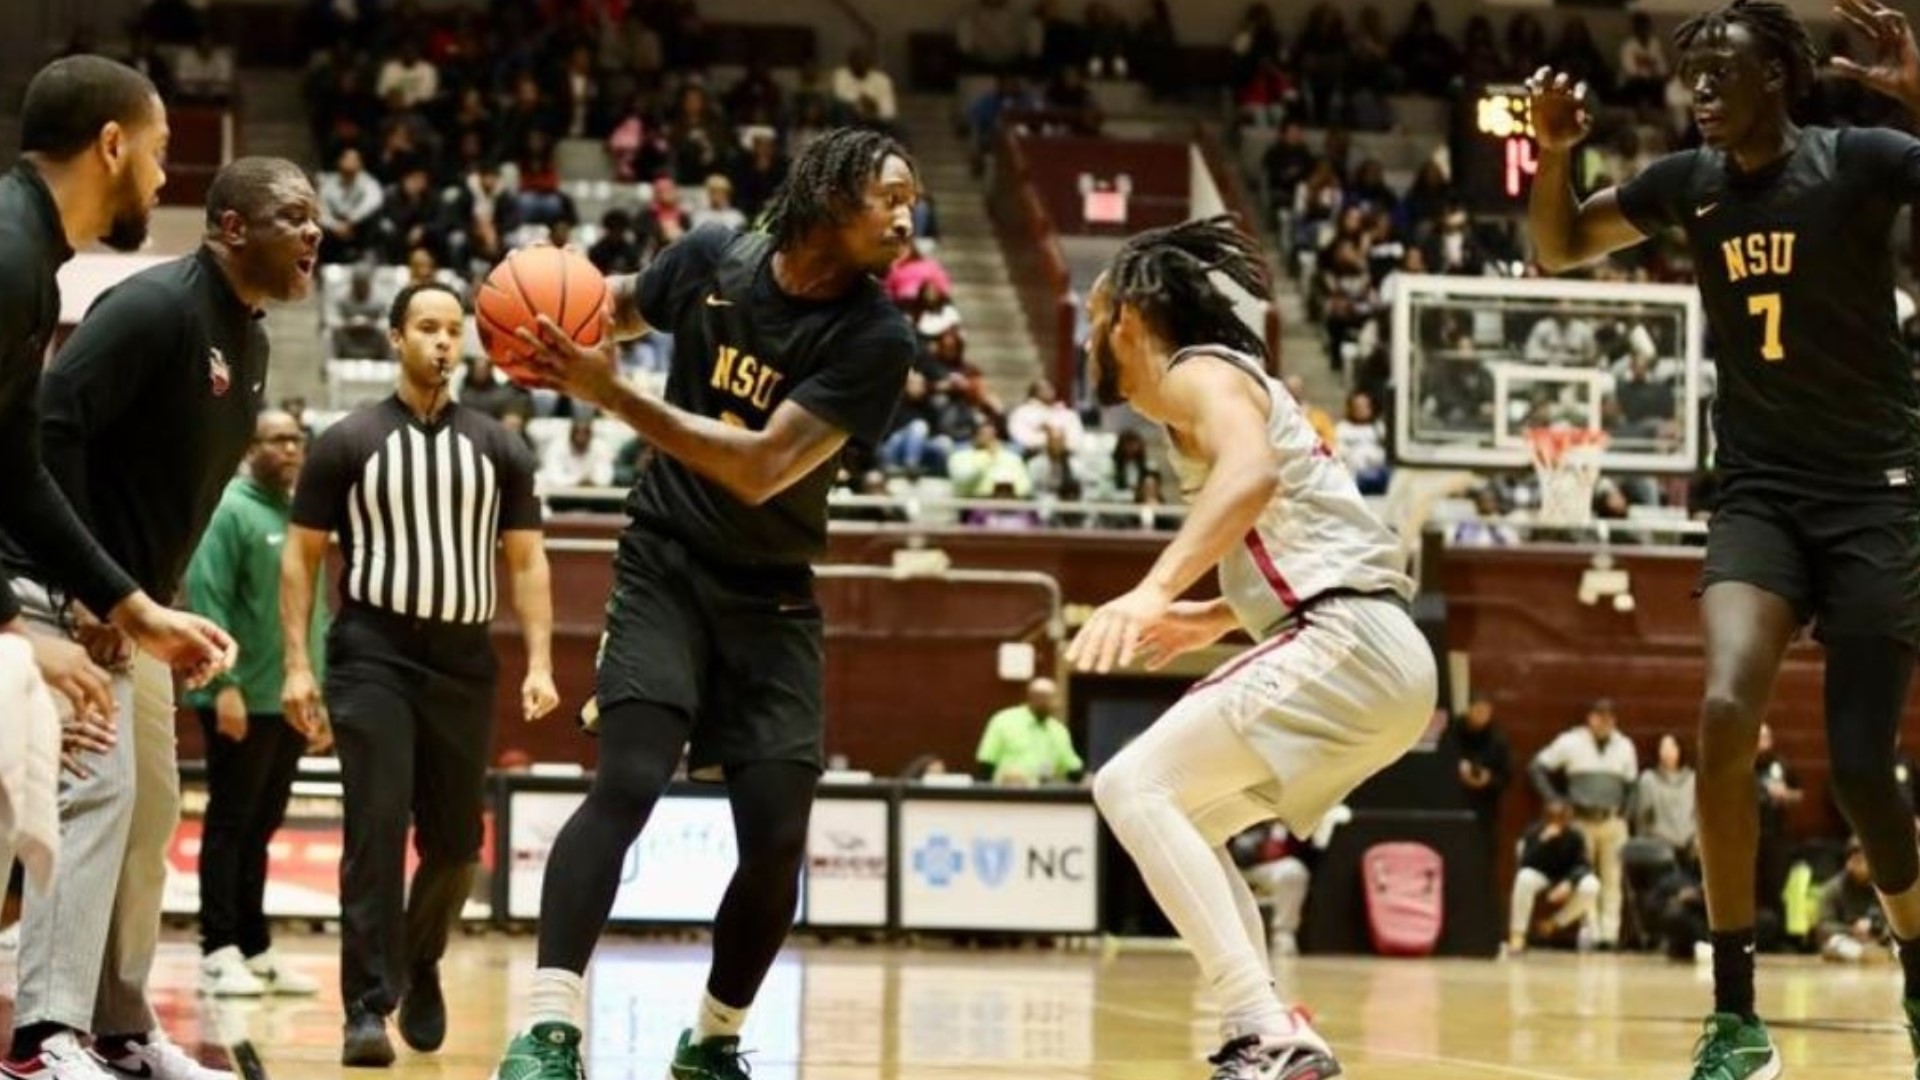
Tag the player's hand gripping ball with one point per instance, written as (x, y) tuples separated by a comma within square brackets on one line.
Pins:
[(532, 282)]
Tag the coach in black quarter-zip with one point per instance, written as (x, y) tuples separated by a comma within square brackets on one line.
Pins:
[(146, 412)]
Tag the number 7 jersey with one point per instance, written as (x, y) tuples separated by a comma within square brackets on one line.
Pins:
[(1795, 267)]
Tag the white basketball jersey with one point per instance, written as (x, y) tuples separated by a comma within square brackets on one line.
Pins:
[(1316, 534)]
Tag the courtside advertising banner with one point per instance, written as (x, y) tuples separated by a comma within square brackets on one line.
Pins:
[(999, 866)]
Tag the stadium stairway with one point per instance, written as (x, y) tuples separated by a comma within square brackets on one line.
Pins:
[(999, 341)]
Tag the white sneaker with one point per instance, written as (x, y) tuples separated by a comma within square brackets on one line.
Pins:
[(61, 1057), (280, 978), (1285, 943), (223, 973), (159, 1058), (1299, 1054)]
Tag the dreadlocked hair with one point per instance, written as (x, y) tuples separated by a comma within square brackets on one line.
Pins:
[(828, 182), (1167, 273), (1774, 25)]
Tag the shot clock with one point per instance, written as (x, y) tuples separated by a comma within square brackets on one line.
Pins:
[(1494, 156)]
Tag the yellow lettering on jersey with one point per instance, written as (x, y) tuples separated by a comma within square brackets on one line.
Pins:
[(763, 390), (744, 376), (1760, 253), (723, 366)]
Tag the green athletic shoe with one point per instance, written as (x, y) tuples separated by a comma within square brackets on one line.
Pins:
[(1733, 1049), (718, 1058), (546, 1052)]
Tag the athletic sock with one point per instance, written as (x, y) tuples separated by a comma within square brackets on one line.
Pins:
[(1910, 966), (718, 1020), (558, 996), (27, 1040), (1733, 972)]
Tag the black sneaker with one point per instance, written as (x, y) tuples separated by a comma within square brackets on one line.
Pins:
[(423, 1012), (366, 1045)]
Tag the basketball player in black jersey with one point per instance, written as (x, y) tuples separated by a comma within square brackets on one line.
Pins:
[(1818, 423), (785, 347)]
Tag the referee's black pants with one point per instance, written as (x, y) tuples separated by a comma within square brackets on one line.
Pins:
[(412, 708)]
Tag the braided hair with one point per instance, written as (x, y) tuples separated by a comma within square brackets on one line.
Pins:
[(828, 183), (1166, 274), (1779, 32)]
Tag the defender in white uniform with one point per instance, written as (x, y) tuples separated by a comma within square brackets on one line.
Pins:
[(1339, 682)]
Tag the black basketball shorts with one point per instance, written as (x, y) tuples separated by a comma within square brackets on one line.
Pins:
[(1847, 560), (739, 650)]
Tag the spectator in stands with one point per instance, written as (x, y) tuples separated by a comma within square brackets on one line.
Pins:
[(1371, 73), (1269, 96), (1257, 41), (482, 389), (664, 220), (1851, 926), (1480, 59), (720, 209), (349, 209), (1056, 41), (1485, 528), (1453, 248), (1025, 745), (1149, 494), (1484, 762), (631, 55), (1068, 92), (992, 37), (1322, 55), (411, 216), (1009, 94), (1108, 42), (1526, 43), (631, 145), (581, 102), (485, 211), (618, 249), (759, 173), (422, 268), (578, 461), (1156, 49), (1130, 463), (1368, 188), (1426, 58), (1643, 69), (540, 200), (1577, 55), (358, 319), (1360, 442), (1286, 165), (1646, 403), (915, 269), (145, 57), (1344, 299), (204, 70), (926, 220), (920, 442), (698, 136), (1561, 338), (988, 465), (1053, 469), (1426, 202), (756, 94), (409, 74), (865, 90), (1035, 420), (1663, 801), (1600, 766), (933, 313), (1779, 792), (1554, 866), (405, 145), (527, 113)]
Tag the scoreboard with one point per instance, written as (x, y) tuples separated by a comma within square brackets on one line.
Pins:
[(1494, 156)]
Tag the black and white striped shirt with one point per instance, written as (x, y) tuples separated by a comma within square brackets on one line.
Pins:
[(419, 507)]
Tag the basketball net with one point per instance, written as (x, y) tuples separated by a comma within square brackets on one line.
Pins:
[(1567, 463)]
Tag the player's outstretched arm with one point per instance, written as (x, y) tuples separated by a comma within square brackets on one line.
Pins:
[(1893, 68), (526, 555), (1567, 232), (1223, 415)]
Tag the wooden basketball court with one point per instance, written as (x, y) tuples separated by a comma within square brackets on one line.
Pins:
[(938, 1013)]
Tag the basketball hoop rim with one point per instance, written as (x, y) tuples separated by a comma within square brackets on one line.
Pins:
[(1549, 446)]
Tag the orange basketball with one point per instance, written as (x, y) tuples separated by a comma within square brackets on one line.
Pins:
[(532, 282)]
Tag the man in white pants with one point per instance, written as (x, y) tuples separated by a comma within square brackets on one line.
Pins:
[(1340, 682), (1553, 860)]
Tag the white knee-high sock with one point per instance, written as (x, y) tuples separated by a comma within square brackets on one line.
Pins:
[(1527, 886), (1290, 894), (1198, 895), (1249, 907)]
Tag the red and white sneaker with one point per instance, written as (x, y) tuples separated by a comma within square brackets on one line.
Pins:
[(1297, 1054), (61, 1057), (159, 1058)]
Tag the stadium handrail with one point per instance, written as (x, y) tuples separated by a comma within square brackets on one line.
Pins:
[(1031, 244)]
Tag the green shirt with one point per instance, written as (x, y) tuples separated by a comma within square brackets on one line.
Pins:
[(1019, 742), (234, 580)]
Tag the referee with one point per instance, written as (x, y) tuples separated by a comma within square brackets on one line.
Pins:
[(421, 491)]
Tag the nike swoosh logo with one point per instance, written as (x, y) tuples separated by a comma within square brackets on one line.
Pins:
[(714, 300), (1703, 211)]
